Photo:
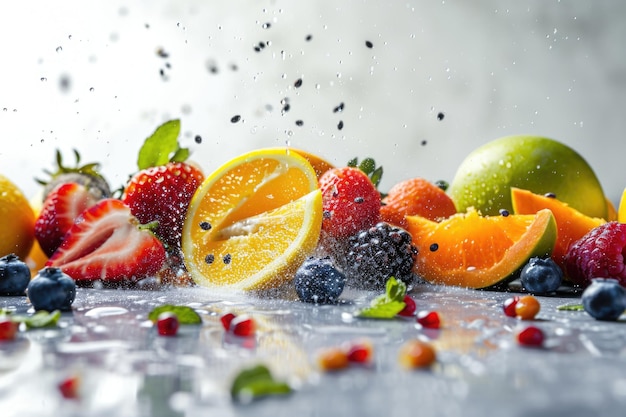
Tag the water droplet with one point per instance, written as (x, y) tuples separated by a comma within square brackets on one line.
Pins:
[(92, 89), (105, 311), (59, 49), (43, 79)]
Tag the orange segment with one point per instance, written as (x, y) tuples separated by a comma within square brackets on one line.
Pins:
[(571, 224), (253, 221), (473, 251)]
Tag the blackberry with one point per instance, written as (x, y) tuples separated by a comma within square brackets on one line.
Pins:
[(377, 253)]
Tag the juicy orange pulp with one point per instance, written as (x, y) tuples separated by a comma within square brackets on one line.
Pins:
[(264, 209), (571, 224), (17, 220), (473, 251)]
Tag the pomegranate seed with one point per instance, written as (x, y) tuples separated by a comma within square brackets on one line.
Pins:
[(409, 308), (527, 307), (416, 354), (531, 336), (167, 324), (509, 306), (360, 352), (333, 359), (226, 319), (8, 328), (242, 326), (69, 387), (429, 319)]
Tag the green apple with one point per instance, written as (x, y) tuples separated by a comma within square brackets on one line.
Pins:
[(541, 165)]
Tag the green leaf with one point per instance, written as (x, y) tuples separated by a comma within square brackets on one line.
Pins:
[(353, 162), (368, 165), (376, 176), (570, 307), (157, 148), (181, 155), (388, 305), (256, 382), (186, 315), (39, 320)]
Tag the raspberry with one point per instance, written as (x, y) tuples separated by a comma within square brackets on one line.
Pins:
[(598, 254)]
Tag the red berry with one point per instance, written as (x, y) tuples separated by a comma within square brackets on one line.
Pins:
[(167, 324), (429, 319), (509, 306), (360, 352), (226, 319), (8, 328), (409, 308), (598, 254), (531, 336), (350, 202), (243, 326), (70, 387)]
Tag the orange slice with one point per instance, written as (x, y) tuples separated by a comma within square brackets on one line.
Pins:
[(621, 211), (473, 251), (571, 224), (319, 164), (253, 221)]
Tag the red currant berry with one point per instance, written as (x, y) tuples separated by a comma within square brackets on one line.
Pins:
[(429, 319), (226, 319), (360, 352), (509, 306), (409, 308), (8, 328), (167, 324), (531, 336), (69, 387), (243, 326)]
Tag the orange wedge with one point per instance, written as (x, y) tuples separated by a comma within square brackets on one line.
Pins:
[(253, 221), (474, 251), (571, 224)]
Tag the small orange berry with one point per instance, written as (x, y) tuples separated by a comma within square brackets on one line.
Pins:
[(527, 307), (333, 359), (416, 354)]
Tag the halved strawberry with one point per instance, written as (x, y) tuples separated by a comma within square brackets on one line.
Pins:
[(61, 207), (107, 243), (162, 194)]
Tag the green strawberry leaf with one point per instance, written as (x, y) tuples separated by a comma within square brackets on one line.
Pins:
[(159, 147), (570, 307), (256, 382), (185, 314), (388, 305), (39, 320)]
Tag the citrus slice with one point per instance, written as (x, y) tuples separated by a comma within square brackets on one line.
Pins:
[(253, 221), (473, 251), (571, 224), (621, 211), (17, 220)]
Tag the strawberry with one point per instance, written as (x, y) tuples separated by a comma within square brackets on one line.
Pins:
[(107, 243), (61, 207), (163, 187), (350, 201), (162, 194)]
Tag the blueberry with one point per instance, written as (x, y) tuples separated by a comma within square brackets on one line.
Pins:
[(14, 275), (604, 299), (52, 290), (541, 276), (318, 281)]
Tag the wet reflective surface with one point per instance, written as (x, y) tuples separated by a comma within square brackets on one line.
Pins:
[(127, 369)]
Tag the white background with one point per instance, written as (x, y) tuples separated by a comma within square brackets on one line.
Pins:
[(86, 75)]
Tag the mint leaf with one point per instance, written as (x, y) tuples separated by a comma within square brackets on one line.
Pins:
[(186, 315), (388, 305), (570, 307), (256, 382), (39, 319), (159, 147)]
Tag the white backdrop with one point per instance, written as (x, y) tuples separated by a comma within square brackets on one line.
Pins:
[(99, 76)]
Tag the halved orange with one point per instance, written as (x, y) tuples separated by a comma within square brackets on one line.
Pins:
[(319, 164), (571, 224), (621, 211), (253, 221), (474, 251)]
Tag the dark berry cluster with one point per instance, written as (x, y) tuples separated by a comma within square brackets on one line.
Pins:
[(377, 253)]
